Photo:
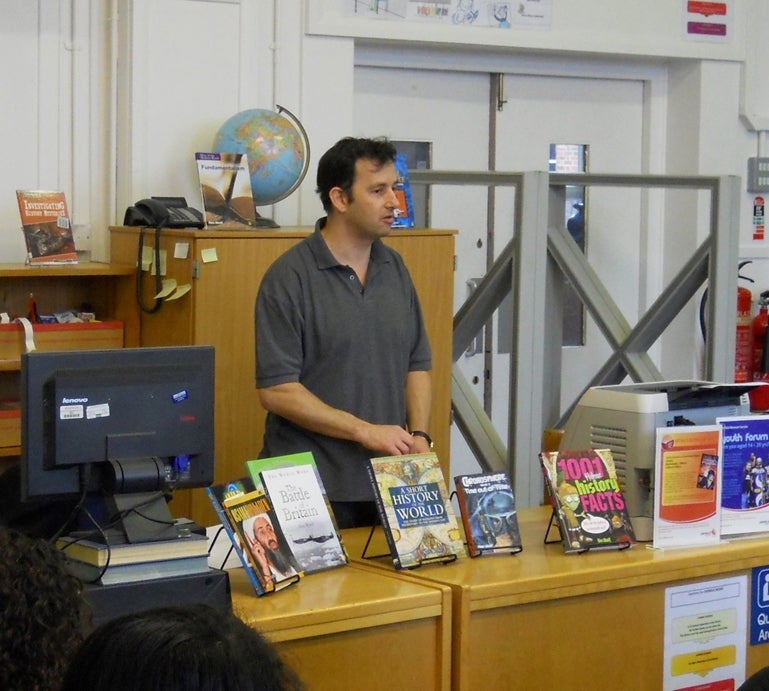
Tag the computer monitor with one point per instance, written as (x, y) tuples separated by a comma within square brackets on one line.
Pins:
[(130, 424)]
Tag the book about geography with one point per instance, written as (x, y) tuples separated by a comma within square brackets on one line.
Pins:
[(47, 228), (217, 494), (744, 487), (487, 510), (686, 514), (253, 520), (414, 507), (225, 186), (587, 500), (301, 511)]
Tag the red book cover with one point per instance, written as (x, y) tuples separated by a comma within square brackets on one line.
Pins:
[(47, 227)]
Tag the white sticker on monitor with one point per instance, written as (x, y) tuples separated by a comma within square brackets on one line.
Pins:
[(95, 411), (71, 412)]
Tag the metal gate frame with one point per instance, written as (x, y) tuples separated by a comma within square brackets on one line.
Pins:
[(541, 250)]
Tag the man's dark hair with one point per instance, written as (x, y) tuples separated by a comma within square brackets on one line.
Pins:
[(336, 167), (45, 616), (176, 649)]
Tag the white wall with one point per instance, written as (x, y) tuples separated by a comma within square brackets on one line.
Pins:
[(114, 96)]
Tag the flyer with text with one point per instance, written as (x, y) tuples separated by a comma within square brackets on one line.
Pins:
[(687, 486), (745, 457)]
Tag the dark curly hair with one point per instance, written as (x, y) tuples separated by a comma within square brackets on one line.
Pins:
[(44, 614), (336, 167), (175, 649)]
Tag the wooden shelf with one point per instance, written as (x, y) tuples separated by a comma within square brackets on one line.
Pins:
[(56, 272)]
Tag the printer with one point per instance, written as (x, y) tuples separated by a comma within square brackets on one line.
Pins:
[(624, 418)]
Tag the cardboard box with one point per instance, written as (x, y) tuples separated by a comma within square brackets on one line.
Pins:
[(78, 336), (47, 337)]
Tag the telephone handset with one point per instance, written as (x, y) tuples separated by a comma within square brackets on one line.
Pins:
[(165, 212), (158, 213)]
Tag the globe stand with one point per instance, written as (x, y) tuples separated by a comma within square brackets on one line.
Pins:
[(264, 222)]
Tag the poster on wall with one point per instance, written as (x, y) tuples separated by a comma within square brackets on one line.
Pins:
[(481, 13), (705, 632)]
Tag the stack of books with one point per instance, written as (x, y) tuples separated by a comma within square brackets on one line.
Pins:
[(112, 560)]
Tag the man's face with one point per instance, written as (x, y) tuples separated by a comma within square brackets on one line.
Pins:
[(264, 534), (372, 199)]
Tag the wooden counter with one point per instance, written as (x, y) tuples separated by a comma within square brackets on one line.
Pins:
[(355, 627), (591, 621)]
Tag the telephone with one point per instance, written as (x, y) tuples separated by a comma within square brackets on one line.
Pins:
[(166, 212)]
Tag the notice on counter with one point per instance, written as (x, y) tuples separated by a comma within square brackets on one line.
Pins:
[(705, 634)]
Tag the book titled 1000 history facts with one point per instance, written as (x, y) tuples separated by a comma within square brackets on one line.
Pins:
[(413, 504), (587, 499)]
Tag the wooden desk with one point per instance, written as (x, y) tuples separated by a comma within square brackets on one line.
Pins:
[(355, 627), (591, 621)]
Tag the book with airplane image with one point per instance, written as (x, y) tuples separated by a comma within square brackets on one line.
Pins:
[(301, 509)]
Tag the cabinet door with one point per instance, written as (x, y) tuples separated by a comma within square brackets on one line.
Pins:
[(219, 311)]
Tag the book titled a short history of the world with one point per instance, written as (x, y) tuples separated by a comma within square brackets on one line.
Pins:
[(413, 503), (47, 227)]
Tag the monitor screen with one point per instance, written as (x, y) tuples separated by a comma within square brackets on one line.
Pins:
[(126, 423)]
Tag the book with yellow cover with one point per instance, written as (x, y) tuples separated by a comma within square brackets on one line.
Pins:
[(413, 504)]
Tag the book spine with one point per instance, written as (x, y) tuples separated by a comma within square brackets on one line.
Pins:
[(383, 517), (225, 521), (472, 548)]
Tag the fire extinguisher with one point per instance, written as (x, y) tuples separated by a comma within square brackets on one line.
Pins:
[(759, 396), (758, 334), (744, 363), (743, 351)]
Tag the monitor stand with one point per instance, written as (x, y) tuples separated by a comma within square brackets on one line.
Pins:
[(144, 516)]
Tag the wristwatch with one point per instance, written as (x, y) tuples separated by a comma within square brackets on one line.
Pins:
[(424, 435)]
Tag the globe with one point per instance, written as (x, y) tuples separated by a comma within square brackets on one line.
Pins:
[(277, 148)]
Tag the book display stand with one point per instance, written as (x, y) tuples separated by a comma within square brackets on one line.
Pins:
[(513, 551), (553, 523), (219, 531), (444, 559)]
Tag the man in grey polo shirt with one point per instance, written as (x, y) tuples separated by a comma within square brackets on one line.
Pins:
[(342, 357)]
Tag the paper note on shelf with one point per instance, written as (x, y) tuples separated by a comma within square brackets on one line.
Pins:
[(181, 250)]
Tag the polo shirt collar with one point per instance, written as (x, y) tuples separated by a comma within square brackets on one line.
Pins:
[(323, 255)]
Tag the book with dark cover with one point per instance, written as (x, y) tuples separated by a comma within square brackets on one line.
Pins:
[(47, 227), (414, 507), (116, 550), (253, 520), (487, 510), (587, 499), (301, 510), (217, 495)]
